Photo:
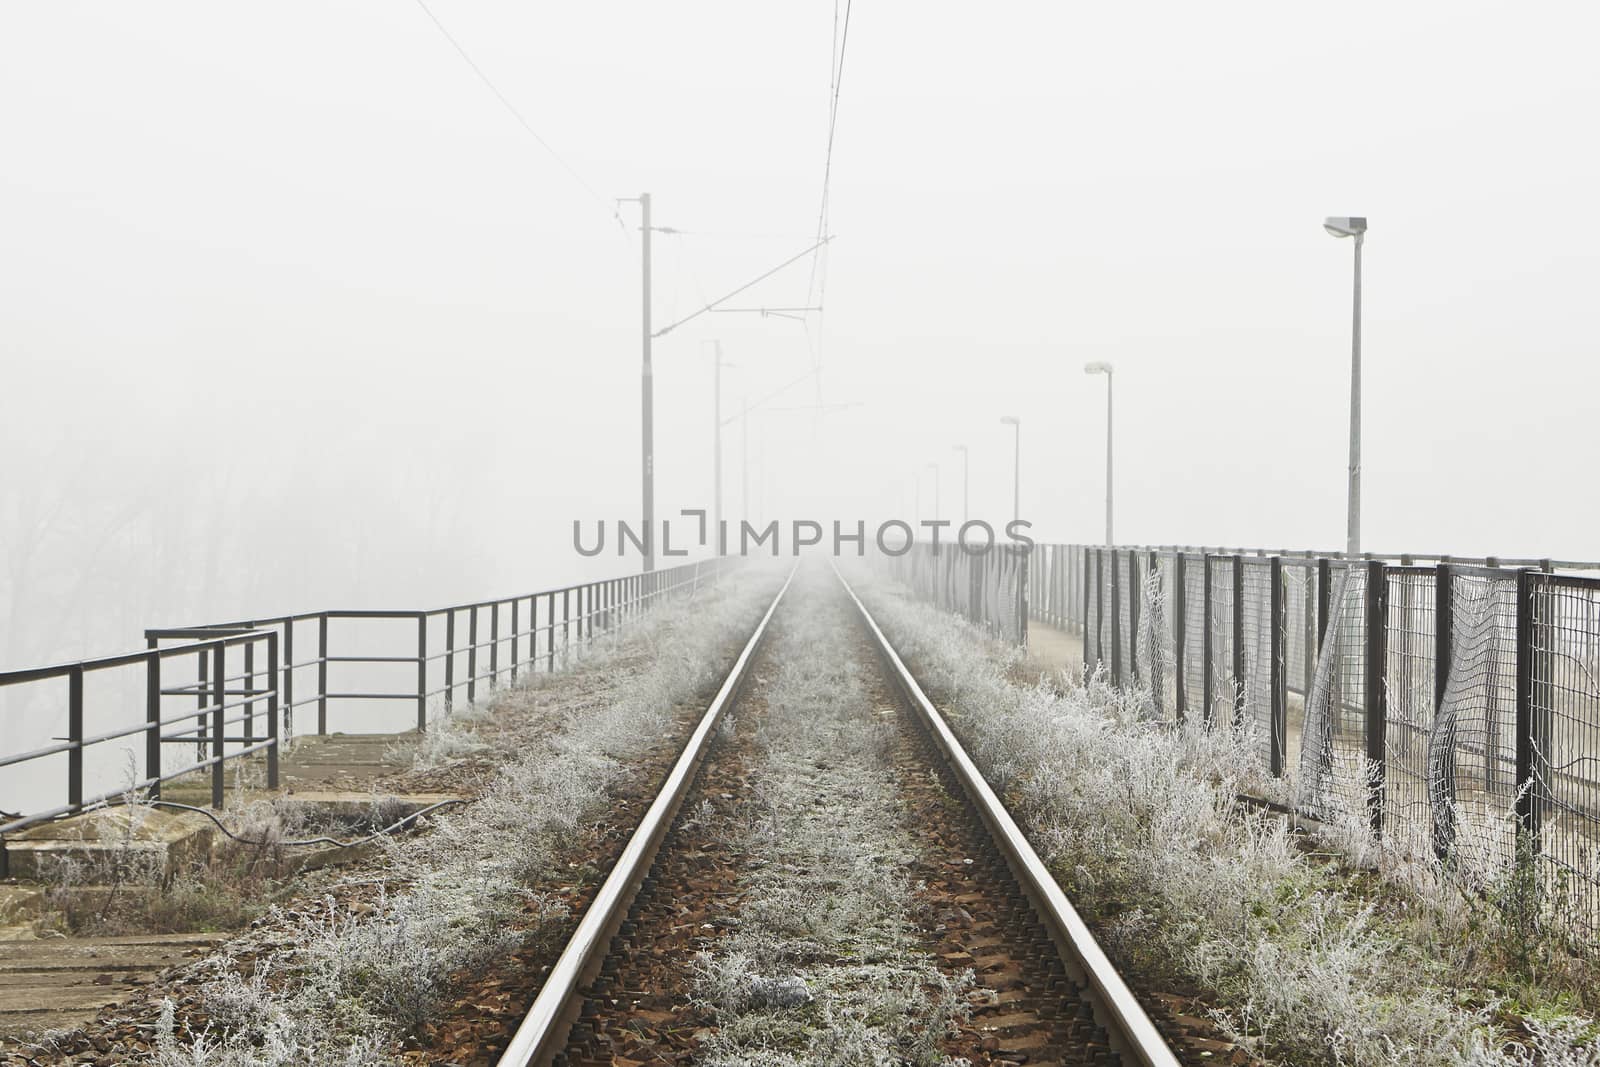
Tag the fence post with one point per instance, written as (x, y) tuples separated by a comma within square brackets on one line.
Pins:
[(1094, 601), (422, 671), (1279, 623), (1134, 590), (1442, 778), (273, 733), (1025, 561), (1238, 641), (322, 673), (152, 718), (1532, 773), (1180, 594), (219, 689), (1116, 621), (1207, 669), (1377, 725), (202, 691), (566, 624), (1324, 596)]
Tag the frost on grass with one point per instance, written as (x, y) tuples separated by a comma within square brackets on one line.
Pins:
[(823, 967), (463, 894), (1369, 960)]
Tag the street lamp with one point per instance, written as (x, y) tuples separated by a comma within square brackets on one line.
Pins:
[(1016, 464), (1102, 367), (1348, 226), (716, 465), (966, 480)]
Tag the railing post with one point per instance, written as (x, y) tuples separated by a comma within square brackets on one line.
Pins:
[(550, 632), (288, 677), (75, 736), (249, 690), (273, 734), (322, 673), (472, 654), (1206, 670), (566, 624), (1180, 594), (422, 671), (516, 644), (1239, 694), (152, 718), (1279, 622), (449, 660), (219, 689), (494, 646), (202, 690), (1377, 725), (1442, 769)]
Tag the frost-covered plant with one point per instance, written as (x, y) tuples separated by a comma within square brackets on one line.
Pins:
[(356, 980), (1304, 966), (823, 967)]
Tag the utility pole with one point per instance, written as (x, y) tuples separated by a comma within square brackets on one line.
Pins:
[(966, 481), (647, 397), (744, 463), (716, 496)]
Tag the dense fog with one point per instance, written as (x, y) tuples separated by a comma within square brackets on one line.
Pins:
[(295, 313)]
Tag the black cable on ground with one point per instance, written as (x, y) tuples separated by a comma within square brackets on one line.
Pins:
[(413, 817)]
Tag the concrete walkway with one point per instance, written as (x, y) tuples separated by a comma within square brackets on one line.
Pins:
[(60, 982), (1050, 649)]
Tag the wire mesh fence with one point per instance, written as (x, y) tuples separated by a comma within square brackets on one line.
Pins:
[(989, 588), (1452, 707)]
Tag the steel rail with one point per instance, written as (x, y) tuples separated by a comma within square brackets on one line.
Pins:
[(1129, 1028), (543, 1032)]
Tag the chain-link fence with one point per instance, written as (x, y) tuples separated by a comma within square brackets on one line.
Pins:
[(989, 588), (1452, 706)]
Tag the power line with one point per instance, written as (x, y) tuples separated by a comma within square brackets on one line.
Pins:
[(817, 284), (512, 108)]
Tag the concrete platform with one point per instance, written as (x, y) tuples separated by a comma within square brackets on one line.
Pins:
[(142, 844), (58, 982), (326, 762)]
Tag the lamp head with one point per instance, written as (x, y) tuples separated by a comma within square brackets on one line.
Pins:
[(961, 448), (1099, 366), (1010, 420), (1345, 225)]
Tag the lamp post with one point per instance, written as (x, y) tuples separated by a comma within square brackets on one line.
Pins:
[(716, 466), (1016, 464), (1102, 367), (1351, 226), (966, 481)]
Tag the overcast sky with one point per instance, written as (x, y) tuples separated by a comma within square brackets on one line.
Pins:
[(294, 313)]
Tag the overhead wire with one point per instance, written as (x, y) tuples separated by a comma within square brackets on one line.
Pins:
[(817, 285), (521, 120)]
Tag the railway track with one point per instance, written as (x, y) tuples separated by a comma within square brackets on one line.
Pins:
[(822, 814)]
